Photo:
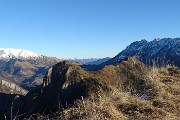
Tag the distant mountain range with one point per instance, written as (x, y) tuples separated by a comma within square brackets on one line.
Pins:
[(160, 51), (27, 69), (88, 61), (82, 61), (98, 61)]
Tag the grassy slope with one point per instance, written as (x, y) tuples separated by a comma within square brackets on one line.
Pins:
[(136, 92)]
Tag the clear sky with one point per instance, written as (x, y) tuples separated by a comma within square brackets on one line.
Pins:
[(85, 28)]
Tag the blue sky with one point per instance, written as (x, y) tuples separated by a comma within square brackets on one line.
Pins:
[(85, 28)]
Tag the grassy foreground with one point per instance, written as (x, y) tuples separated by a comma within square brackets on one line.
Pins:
[(153, 95)]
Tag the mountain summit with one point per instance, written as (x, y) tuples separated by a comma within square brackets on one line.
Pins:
[(9, 53), (162, 51)]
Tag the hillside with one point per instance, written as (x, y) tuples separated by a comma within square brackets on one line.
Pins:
[(24, 67), (8, 87), (125, 91)]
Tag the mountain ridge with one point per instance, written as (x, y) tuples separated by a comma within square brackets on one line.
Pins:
[(162, 51), (12, 53)]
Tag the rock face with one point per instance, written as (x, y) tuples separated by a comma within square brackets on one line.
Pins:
[(62, 85)]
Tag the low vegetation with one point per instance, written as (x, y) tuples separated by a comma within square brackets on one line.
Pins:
[(126, 91), (151, 96)]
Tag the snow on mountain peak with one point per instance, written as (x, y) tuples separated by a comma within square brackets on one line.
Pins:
[(157, 39), (9, 53), (165, 50)]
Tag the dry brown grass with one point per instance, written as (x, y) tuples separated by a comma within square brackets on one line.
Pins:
[(165, 82), (162, 87), (163, 103)]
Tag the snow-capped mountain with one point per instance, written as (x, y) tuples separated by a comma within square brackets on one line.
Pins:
[(9, 53), (24, 67), (162, 51)]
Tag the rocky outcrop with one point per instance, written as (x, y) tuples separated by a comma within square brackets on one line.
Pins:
[(62, 85)]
